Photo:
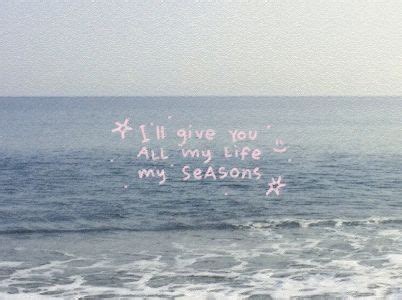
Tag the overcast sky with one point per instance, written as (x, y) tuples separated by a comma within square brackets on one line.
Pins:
[(288, 47)]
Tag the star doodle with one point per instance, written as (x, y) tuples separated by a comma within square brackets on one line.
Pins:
[(275, 186), (122, 128)]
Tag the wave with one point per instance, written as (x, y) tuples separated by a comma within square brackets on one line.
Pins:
[(304, 223), (167, 227), (253, 225)]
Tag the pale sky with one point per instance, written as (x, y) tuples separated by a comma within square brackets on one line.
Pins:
[(288, 47)]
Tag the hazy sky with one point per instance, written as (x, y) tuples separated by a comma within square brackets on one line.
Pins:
[(274, 47)]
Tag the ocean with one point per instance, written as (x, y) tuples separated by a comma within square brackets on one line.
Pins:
[(77, 222)]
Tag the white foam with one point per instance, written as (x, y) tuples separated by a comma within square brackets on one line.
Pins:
[(10, 263), (25, 296)]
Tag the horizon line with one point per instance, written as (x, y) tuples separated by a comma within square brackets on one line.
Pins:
[(201, 96)]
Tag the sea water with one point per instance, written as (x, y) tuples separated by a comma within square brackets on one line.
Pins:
[(76, 221)]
